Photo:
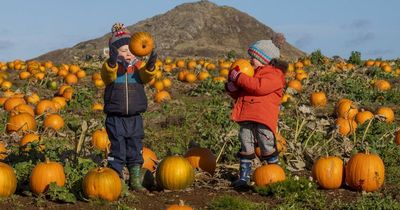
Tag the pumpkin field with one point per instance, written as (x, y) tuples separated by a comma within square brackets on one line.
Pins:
[(338, 137)]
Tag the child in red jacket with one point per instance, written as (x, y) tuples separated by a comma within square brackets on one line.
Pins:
[(257, 102)]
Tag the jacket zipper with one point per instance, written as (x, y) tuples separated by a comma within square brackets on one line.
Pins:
[(126, 92)]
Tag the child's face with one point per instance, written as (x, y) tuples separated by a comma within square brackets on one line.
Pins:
[(255, 63), (125, 54)]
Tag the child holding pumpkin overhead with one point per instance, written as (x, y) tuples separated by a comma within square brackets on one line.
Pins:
[(124, 101), (257, 102)]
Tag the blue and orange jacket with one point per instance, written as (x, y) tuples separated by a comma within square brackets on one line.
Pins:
[(124, 94)]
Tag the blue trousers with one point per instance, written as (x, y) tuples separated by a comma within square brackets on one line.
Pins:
[(126, 135)]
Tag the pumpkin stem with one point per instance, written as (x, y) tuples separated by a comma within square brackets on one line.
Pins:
[(181, 203), (46, 160), (366, 130)]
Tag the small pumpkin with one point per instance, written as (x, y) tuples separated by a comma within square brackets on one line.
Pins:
[(386, 112), (364, 116), (190, 77), (295, 85), (382, 85), (174, 173), (45, 106), (44, 173), (103, 183), (245, 67), (23, 108), (365, 172), (53, 121), (346, 126), (8, 180), (141, 44), (162, 96), (29, 138), (347, 109), (268, 174), (202, 158), (100, 139), (203, 75), (328, 172), (149, 158), (12, 102), (318, 99)]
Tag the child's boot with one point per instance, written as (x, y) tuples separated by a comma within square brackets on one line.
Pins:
[(135, 182), (244, 174)]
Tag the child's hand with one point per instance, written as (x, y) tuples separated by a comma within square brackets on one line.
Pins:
[(234, 74), (152, 61), (113, 53), (231, 87)]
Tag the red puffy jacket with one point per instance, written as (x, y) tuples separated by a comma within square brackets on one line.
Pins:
[(259, 97)]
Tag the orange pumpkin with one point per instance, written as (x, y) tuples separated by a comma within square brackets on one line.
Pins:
[(71, 79), (174, 173), (347, 109), (158, 85), (203, 75), (295, 85), (23, 108), (346, 126), (8, 180), (386, 112), (12, 102), (149, 158), (162, 96), (245, 67), (97, 107), (364, 116), (180, 206), (32, 98), (318, 99), (44, 173), (219, 79), (167, 83), (60, 101), (382, 85), (100, 139), (365, 172), (53, 121), (103, 183), (29, 138), (190, 77), (21, 122), (202, 158), (268, 174), (45, 106), (328, 172), (141, 44)]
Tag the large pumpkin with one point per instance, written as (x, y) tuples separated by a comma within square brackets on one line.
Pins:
[(268, 174), (45, 106), (21, 122), (202, 158), (365, 172), (8, 180), (328, 172), (174, 173), (102, 183), (141, 44), (245, 67), (45, 173), (149, 158), (100, 139)]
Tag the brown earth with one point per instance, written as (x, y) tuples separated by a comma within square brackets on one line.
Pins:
[(199, 29)]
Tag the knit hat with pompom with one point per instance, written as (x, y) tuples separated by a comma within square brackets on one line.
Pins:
[(119, 35), (266, 50)]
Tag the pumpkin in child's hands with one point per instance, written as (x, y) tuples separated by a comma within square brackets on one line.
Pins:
[(141, 44), (244, 66)]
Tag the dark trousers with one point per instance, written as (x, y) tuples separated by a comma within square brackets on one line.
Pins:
[(126, 135)]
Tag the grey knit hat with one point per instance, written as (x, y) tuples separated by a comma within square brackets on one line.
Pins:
[(119, 35), (266, 50)]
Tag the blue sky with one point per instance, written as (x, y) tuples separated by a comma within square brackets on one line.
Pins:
[(336, 27)]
